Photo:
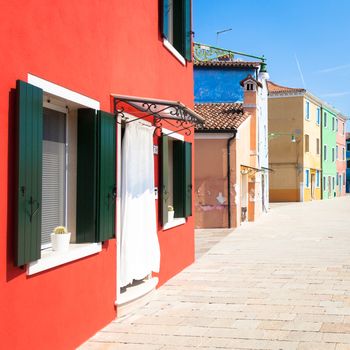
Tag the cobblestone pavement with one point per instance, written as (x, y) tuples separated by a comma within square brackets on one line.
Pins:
[(280, 283)]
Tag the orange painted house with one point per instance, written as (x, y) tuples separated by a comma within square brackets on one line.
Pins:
[(78, 79)]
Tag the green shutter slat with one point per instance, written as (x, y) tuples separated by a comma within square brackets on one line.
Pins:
[(164, 179), (188, 30), (106, 176), (188, 179), (165, 19), (86, 176), (29, 167), (178, 179)]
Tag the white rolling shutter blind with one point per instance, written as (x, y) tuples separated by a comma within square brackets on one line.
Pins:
[(54, 173)]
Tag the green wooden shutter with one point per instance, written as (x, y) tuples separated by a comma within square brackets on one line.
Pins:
[(96, 176), (164, 179), (165, 21), (182, 196), (178, 179), (86, 176), (188, 30), (188, 178), (106, 176), (29, 167)]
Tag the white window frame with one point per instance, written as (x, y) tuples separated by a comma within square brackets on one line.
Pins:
[(318, 179), (307, 178), (307, 110), (176, 221), (56, 107), (318, 116), (49, 258)]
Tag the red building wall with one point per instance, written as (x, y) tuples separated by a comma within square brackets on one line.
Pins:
[(96, 48)]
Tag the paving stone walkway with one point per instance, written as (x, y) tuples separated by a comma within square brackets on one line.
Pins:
[(280, 283)]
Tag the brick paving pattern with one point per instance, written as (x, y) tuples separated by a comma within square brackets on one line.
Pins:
[(280, 283)]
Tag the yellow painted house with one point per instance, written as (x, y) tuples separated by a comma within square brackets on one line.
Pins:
[(294, 144)]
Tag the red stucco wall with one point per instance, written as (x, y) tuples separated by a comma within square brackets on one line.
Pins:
[(94, 48)]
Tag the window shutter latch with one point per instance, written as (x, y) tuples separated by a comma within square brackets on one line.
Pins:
[(33, 212)]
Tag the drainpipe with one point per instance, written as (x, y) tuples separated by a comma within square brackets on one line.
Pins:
[(229, 141)]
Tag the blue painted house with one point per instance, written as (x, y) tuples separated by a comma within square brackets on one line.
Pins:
[(223, 80)]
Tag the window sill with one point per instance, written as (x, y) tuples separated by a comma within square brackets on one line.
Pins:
[(50, 259), (174, 223), (175, 53)]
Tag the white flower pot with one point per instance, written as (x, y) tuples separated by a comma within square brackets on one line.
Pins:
[(60, 242), (171, 215)]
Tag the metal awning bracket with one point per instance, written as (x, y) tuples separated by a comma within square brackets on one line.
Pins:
[(174, 113)]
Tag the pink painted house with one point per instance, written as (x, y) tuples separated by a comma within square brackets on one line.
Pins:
[(341, 155)]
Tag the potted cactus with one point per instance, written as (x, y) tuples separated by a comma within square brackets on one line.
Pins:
[(60, 239), (170, 213)]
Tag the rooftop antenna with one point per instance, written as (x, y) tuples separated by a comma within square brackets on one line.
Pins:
[(220, 32)]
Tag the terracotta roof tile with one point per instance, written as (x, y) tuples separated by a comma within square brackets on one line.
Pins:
[(220, 116), (236, 64), (275, 88)]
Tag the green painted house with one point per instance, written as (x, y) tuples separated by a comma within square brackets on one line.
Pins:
[(329, 147)]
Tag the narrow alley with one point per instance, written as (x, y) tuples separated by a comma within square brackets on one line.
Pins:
[(282, 282)]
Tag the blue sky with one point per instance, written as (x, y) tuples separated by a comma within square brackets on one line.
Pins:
[(315, 33)]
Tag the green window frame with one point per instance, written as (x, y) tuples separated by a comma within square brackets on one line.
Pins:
[(176, 25), (99, 155)]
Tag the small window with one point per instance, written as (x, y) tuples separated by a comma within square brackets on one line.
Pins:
[(317, 146), (336, 152), (307, 177), (343, 153), (348, 146), (318, 116), (250, 87), (337, 179), (348, 164), (325, 119), (324, 152), (177, 26), (333, 182), (333, 123), (307, 110), (307, 143), (317, 178), (336, 124), (324, 183), (333, 154), (344, 179)]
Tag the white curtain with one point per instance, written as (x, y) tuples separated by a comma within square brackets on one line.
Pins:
[(140, 253)]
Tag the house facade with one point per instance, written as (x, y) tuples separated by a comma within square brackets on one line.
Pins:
[(341, 155), (227, 88), (329, 147), (347, 187), (71, 98), (294, 144)]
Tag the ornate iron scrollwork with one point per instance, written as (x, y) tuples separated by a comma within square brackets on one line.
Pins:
[(175, 115)]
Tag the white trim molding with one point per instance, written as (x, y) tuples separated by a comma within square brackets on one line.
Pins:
[(63, 92), (175, 53), (174, 135), (174, 223), (50, 258), (212, 135)]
